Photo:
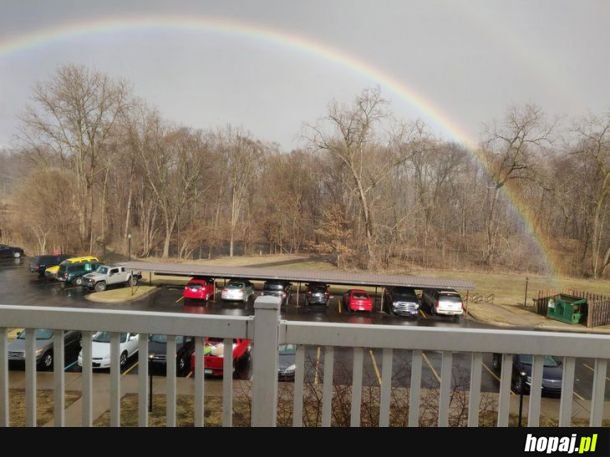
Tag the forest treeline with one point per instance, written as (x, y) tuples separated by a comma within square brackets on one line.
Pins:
[(94, 166)]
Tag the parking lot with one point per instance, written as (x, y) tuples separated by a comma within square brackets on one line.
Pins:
[(19, 287)]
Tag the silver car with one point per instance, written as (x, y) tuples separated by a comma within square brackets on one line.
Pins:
[(238, 290), (44, 346)]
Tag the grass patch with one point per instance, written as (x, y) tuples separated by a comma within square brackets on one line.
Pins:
[(44, 406), (121, 294)]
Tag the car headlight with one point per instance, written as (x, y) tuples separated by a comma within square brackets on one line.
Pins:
[(38, 351), (291, 368)]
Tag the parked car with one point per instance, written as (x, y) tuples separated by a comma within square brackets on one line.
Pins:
[(213, 354), (41, 262), (157, 352), (44, 346), (51, 272), (317, 294), (287, 362), (521, 378), (401, 301), (443, 301), (200, 288), (109, 275), (278, 288), (11, 252), (73, 273), (100, 354), (357, 300), (238, 289)]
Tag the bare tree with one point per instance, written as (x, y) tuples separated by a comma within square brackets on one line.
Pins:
[(74, 115), (510, 149)]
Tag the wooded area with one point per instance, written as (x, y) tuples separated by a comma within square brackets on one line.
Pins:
[(94, 164)]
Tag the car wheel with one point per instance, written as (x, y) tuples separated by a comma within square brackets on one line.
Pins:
[(182, 365), (123, 359), (46, 363), (100, 286), (78, 281), (495, 363), (519, 385)]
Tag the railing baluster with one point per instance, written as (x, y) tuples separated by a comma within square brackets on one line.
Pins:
[(227, 383), (445, 393), (505, 386), (115, 379), (474, 397), (356, 387), (199, 374), (597, 394), (170, 379), (386, 388), (87, 372), (327, 395), (299, 378), (58, 375), (143, 380), (567, 392), (4, 381), (533, 415), (414, 391), (30, 377)]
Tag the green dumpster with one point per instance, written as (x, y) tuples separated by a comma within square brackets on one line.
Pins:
[(566, 308)]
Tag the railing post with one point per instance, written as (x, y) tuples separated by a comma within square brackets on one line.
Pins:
[(265, 360)]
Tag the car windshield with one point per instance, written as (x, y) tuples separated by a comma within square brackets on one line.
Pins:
[(403, 295), (274, 286), (318, 290), (288, 348), (102, 269), (41, 334), (104, 337), (235, 285), (360, 295), (549, 360)]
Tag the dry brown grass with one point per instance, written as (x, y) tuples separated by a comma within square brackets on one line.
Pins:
[(44, 408)]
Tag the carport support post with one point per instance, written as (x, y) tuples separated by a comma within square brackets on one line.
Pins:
[(265, 360), (525, 299), (298, 290)]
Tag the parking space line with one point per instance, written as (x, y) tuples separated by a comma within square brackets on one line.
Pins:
[(180, 299), (315, 379), (190, 374), (423, 314), (130, 368), (71, 365), (375, 366), (593, 370), (438, 378)]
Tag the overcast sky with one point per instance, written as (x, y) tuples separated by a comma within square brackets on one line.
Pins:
[(470, 59)]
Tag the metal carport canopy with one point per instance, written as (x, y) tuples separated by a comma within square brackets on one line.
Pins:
[(330, 277)]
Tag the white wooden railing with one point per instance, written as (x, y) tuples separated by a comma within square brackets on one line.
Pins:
[(268, 330)]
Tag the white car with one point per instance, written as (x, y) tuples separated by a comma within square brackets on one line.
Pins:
[(101, 349), (238, 289)]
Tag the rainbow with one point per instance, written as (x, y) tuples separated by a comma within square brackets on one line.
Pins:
[(67, 31)]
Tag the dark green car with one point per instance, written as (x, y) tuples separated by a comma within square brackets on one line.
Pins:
[(72, 273)]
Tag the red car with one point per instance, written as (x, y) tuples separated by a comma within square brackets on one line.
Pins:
[(213, 354), (357, 300), (200, 288)]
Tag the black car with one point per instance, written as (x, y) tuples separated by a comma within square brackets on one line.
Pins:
[(41, 262), (287, 360), (157, 350), (521, 379), (401, 301), (317, 294), (278, 288), (10, 252)]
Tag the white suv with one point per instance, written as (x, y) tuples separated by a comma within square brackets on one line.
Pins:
[(443, 301)]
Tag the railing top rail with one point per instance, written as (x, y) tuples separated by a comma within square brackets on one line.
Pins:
[(165, 323), (446, 339)]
